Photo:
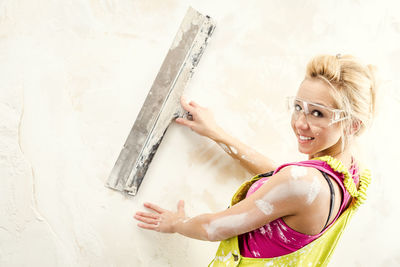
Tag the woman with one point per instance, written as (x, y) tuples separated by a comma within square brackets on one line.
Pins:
[(295, 213)]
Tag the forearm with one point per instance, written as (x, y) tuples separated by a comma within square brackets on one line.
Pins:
[(214, 226), (194, 227), (249, 158)]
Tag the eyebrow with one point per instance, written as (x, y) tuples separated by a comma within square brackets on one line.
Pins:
[(321, 104)]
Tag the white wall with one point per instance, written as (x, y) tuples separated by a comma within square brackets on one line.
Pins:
[(73, 77)]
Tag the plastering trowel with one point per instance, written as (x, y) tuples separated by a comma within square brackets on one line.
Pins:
[(162, 104)]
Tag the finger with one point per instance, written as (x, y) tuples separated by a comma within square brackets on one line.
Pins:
[(181, 206), (148, 215), (185, 122), (154, 207), (147, 220), (186, 106), (194, 104), (148, 226)]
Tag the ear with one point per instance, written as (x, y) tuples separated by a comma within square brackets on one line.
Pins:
[(355, 126)]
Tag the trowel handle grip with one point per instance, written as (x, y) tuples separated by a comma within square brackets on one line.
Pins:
[(181, 113)]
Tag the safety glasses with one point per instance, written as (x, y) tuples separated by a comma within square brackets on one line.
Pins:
[(315, 114)]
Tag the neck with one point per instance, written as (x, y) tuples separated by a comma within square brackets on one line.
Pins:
[(344, 156)]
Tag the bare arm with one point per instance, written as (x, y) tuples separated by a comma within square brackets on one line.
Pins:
[(248, 157), (204, 124), (282, 195)]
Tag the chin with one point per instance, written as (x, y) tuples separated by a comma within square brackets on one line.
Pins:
[(305, 151)]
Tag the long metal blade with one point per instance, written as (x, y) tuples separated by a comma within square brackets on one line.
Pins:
[(162, 103)]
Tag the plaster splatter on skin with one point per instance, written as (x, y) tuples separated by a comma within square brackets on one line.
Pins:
[(295, 187), (314, 190), (186, 220), (266, 207), (233, 149), (246, 159), (225, 223), (224, 147), (298, 172)]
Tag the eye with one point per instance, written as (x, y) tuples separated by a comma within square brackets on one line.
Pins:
[(297, 107), (317, 113)]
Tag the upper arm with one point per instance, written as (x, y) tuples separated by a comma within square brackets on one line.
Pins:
[(284, 194)]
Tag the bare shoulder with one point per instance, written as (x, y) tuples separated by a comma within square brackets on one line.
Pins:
[(294, 187), (314, 199), (293, 173), (305, 184)]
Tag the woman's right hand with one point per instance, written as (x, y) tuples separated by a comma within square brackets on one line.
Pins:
[(203, 121)]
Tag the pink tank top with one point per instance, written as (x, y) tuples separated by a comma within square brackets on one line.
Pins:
[(277, 238)]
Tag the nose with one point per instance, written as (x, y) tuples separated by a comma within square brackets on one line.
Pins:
[(301, 121)]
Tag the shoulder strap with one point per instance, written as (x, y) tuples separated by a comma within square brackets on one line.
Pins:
[(266, 174), (332, 197), (365, 180)]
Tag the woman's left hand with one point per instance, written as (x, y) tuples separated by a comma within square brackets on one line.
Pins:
[(162, 220)]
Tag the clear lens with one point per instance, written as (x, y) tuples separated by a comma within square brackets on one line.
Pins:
[(316, 115)]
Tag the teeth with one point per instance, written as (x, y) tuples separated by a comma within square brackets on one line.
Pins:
[(305, 138)]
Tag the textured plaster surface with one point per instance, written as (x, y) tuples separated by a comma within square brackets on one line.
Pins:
[(73, 77)]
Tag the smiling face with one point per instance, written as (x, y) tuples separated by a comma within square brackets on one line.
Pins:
[(316, 140)]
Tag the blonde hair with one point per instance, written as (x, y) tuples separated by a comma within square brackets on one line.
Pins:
[(354, 88)]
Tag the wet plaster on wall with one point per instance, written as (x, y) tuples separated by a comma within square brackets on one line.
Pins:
[(21, 218), (79, 72)]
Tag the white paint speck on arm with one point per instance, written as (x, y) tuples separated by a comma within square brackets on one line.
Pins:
[(266, 207), (233, 149), (292, 187), (315, 188), (247, 159), (225, 148), (298, 171), (226, 223), (186, 220)]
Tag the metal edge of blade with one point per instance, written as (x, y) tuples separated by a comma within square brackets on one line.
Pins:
[(132, 184)]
